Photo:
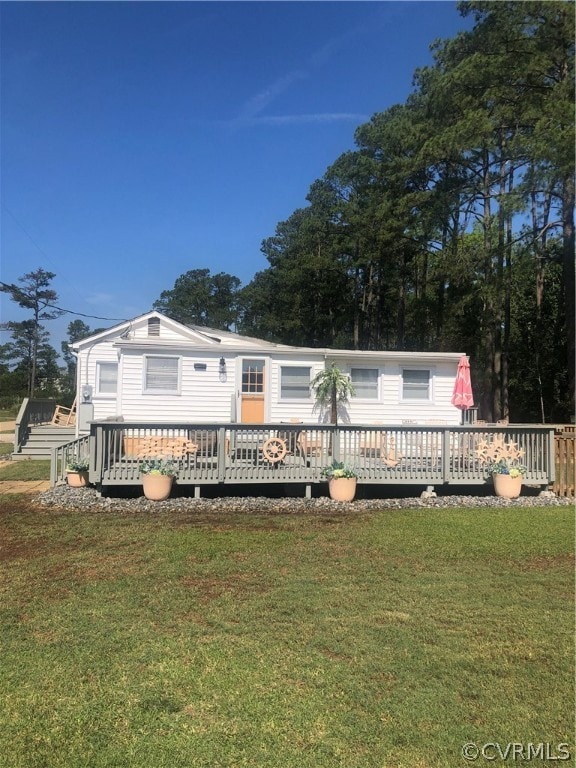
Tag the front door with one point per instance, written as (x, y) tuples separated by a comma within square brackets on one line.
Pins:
[(252, 393)]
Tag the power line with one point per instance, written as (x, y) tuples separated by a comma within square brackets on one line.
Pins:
[(91, 317), (43, 252), (69, 311), (28, 235)]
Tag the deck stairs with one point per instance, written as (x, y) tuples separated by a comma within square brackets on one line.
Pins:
[(41, 439)]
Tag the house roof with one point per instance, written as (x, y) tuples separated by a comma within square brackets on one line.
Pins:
[(201, 337)]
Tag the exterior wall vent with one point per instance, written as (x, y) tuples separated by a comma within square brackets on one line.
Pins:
[(153, 326)]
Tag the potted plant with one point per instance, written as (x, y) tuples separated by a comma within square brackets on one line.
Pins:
[(502, 461), (77, 471), (507, 477), (157, 477), (342, 481)]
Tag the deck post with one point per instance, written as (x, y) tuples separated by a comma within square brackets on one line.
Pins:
[(551, 458), (96, 453), (446, 452), (221, 453), (54, 467), (308, 491), (197, 489)]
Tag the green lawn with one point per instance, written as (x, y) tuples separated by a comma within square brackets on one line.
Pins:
[(38, 469), (375, 640), (6, 449)]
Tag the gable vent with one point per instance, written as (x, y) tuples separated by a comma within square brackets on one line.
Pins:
[(153, 326)]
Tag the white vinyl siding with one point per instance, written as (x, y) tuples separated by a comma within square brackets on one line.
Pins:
[(161, 375), (365, 383), (106, 378), (295, 382), (203, 396), (415, 384)]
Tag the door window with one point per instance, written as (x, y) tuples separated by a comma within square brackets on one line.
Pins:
[(252, 377)]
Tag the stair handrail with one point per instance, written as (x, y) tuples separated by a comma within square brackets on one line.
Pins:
[(61, 454), (32, 411)]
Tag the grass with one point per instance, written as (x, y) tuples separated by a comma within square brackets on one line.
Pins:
[(37, 469), (200, 640), (6, 449)]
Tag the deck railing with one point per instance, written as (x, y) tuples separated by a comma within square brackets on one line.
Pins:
[(62, 454), (270, 453)]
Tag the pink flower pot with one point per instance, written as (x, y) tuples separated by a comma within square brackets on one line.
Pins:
[(157, 487), (506, 486), (342, 488), (77, 479)]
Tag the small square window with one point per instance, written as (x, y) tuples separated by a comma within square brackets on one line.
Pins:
[(365, 382), (162, 375), (294, 382), (415, 384)]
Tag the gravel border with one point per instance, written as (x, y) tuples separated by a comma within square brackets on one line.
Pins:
[(87, 499)]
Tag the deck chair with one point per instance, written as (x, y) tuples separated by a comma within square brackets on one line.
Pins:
[(389, 455), (309, 446), (64, 417), (206, 442), (382, 446)]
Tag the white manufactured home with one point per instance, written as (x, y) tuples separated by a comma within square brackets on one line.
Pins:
[(155, 369)]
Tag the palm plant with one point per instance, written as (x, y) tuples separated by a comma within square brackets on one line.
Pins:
[(332, 387)]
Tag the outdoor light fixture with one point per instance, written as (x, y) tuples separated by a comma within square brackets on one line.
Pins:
[(222, 367)]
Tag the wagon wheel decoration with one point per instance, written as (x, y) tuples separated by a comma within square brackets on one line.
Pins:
[(274, 449)]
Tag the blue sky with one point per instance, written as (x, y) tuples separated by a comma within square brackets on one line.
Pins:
[(140, 140)]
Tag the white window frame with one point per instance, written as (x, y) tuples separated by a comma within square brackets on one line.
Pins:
[(429, 398), (295, 399), (100, 364), (161, 390), (356, 396)]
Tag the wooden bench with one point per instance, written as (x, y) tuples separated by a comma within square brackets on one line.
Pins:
[(150, 447)]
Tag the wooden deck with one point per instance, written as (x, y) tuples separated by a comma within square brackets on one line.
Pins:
[(417, 455)]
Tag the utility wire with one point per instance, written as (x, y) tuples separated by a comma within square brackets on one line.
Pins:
[(8, 287), (92, 317), (52, 306), (40, 250)]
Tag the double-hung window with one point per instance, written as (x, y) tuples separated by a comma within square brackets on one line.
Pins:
[(416, 384), (161, 375), (365, 383), (294, 382), (106, 378)]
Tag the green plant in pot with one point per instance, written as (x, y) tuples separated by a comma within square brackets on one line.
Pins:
[(342, 480), (77, 471), (157, 477)]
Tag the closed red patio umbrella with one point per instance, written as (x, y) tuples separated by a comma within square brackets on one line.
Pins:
[(462, 396)]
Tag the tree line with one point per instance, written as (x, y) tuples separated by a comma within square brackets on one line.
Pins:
[(449, 227)]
